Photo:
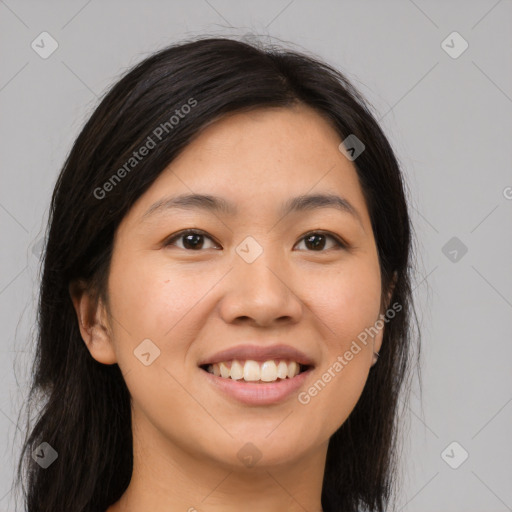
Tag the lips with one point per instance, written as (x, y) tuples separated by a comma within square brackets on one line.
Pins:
[(260, 354), (257, 394), (266, 391)]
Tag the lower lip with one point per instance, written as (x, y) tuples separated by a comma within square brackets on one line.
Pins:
[(258, 394)]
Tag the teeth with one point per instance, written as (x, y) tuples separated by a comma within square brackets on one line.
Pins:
[(237, 370), (293, 368), (282, 370), (224, 370), (268, 371), (254, 371)]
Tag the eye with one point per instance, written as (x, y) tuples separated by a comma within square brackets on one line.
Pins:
[(317, 240), (193, 239)]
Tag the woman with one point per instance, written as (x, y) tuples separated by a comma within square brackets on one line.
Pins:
[(228, 257)]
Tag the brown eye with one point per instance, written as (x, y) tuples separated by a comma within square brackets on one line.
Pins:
[(316, 241), (193, 240)]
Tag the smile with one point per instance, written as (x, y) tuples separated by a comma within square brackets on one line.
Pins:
[(256, 371), (257, 392)]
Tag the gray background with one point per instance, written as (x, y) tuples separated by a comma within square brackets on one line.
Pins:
[(449, 120)]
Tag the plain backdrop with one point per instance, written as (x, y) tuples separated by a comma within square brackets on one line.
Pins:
[(447, 111)]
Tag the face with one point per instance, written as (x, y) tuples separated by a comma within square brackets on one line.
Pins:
[(252, 276)]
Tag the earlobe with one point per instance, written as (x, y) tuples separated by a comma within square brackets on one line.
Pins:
[(92, 322)]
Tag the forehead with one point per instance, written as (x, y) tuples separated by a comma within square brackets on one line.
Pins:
[(268, 133), (260, 159)]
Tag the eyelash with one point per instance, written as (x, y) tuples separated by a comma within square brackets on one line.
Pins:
[(339, 243)]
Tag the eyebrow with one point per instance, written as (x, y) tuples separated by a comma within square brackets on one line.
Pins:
[(210, 203)]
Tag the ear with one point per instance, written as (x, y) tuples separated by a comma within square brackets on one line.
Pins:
[(391, 289), (377, 342), (93, 322)]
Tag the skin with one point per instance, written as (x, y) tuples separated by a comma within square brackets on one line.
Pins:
[(193, 303)]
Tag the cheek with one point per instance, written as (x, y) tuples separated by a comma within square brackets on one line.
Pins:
[(153, 298), (346, 301), (347, 304), (330, 400), (161, 302)]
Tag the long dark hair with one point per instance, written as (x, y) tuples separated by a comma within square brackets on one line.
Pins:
[(85, 415)]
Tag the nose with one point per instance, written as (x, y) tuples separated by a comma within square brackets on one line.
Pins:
[(261, 293)]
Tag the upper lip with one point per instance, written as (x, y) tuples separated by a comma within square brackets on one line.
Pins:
[(259, 353)]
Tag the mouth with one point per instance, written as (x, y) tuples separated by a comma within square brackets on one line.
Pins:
[(257, 383), (257, 375), (257, 372)]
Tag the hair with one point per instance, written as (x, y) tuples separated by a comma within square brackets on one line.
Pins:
[(85, 413)]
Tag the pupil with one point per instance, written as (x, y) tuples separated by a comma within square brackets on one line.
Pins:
[(195, 243), (310, 239)]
